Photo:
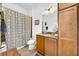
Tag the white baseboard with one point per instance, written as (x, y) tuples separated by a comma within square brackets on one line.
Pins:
[(37, 53), (20, 47)]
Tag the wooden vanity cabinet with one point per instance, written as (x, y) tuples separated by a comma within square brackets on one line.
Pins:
[(40, 44), (68, 44), (50, 47), (46, 46)]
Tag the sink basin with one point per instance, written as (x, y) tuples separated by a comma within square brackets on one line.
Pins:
[(55, 34)]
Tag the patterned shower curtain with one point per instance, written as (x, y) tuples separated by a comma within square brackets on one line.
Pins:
[(18, 28)]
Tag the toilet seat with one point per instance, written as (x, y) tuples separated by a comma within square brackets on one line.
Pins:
[(31, 41), (31, 44)]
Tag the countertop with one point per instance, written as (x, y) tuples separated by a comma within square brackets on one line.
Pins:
[(49, 36)]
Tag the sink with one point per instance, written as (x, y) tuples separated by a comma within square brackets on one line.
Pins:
[(56, 35)]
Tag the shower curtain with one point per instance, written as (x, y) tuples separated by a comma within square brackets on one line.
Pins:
[(18, 28)]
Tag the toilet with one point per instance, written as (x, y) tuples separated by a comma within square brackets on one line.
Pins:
[(31, 43)]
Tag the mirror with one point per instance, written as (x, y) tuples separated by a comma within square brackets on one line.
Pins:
[(50, 22)]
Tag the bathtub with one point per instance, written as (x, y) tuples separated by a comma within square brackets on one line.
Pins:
[(3, 48)]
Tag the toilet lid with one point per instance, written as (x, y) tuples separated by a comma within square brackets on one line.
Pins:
[(30, 41)]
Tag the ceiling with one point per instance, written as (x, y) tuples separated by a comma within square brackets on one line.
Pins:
[(31, 5)]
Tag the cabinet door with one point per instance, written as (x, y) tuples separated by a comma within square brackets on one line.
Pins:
[(50, 47), (40, 44), (67, 48), (68, 31)]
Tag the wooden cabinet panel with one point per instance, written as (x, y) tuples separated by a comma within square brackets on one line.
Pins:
[(46, 46), (67, 48), (50, 47), (40, 44), (65, 5), (68, 31), (67, 18)]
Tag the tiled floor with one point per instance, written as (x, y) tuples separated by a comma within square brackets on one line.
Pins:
[(26, 52)]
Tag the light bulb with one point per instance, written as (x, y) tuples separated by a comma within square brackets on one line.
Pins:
[(46, 12), (51, 10)]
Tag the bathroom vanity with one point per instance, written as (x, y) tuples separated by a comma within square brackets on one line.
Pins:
[(46, 44)]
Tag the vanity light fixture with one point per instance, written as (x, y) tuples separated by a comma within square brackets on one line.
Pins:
[(48, 11)]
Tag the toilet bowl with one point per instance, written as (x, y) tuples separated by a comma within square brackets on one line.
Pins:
[(31, 44)]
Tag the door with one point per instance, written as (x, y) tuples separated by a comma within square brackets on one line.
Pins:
[(0, 29), (68, 31)]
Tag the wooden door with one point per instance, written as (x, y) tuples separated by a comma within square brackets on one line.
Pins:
[(50, 47), (40, 44), (0, 22), (68, 31), (0, 29)]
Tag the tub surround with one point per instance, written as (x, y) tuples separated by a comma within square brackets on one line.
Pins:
[(3, 47)]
